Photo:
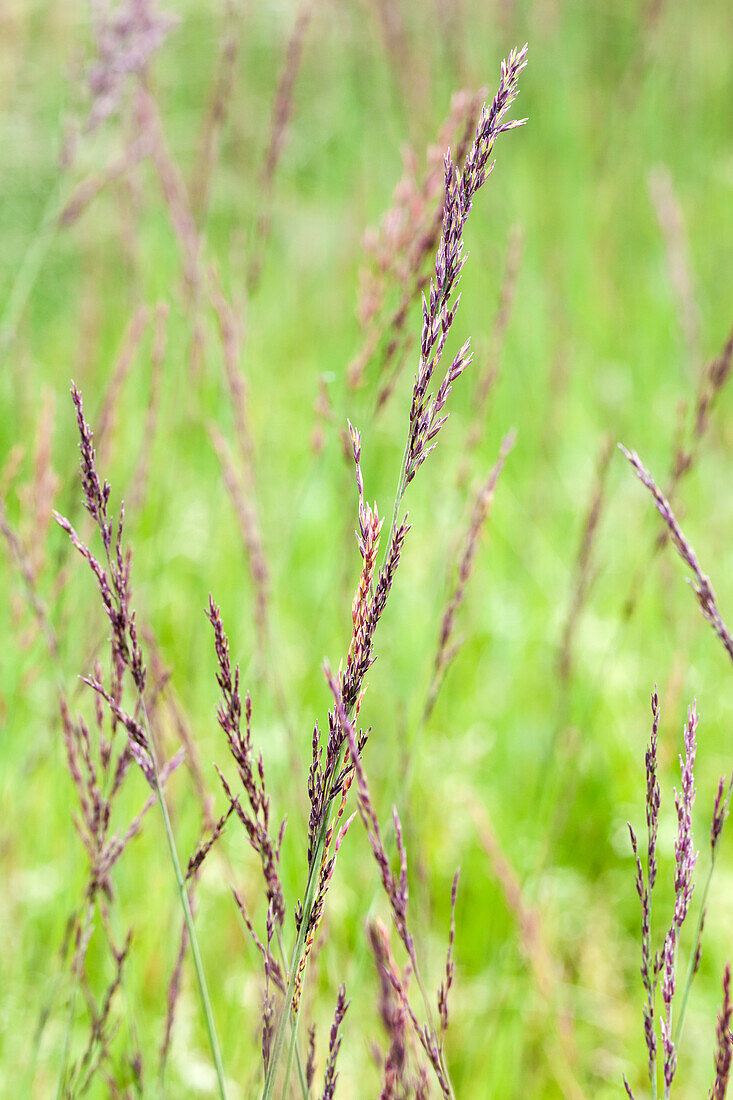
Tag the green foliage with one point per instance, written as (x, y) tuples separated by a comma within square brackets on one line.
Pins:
[(594, 346)]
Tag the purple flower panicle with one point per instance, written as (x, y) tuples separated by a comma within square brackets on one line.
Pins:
[(724, 1037), (113, 583), (256, 820), (427, 414), (701, 585), (334, 1045)]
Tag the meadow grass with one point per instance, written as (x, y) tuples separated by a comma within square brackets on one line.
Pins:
[(595, 345)]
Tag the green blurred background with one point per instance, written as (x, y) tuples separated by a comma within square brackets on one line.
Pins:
[(596, 347)]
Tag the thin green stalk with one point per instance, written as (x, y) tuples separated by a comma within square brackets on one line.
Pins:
[(291, 1050), (299, 1061), (399, 496), (197, 961), (431, 1025)]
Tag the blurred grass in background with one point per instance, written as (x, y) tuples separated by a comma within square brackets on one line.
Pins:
[(595, 347)]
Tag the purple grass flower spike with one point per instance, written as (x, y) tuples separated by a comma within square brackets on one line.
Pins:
[(701, 585), (334, 1045), (445, 985), (335, 765), (661, 968), (427, 414), (720, 812), (251, 772), (653, 797), (649, 969), (113, 582), (685, 857), (724, 1037), (127, 37)]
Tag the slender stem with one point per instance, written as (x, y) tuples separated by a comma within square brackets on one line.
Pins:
[(693, 954), (299, 1062), (430, 1024), (399, 496), (197, 961), (293, 1046)]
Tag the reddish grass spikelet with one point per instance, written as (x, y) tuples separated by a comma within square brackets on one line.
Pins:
[(395, 1067), (271, 966), (445, 985), (334, 1045), (256, 822), (114, 588), (310, 1065), (724, 1037), (661, 968), (330, 776), (207, 843), (282, 109), (398, 251), (644, 887), (426, 414), (102, 1027), (446, 651), (702, 587), (712, 381), (720, 812), (653, 796), (127, 36), (282, 106), (113, 583), (97, 785), (180, 725), (396, 888), (685, 859)]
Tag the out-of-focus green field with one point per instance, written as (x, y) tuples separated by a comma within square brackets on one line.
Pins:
[(595, 345)]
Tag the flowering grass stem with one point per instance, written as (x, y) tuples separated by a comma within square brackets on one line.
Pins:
[(696, 946), (195, 950)]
